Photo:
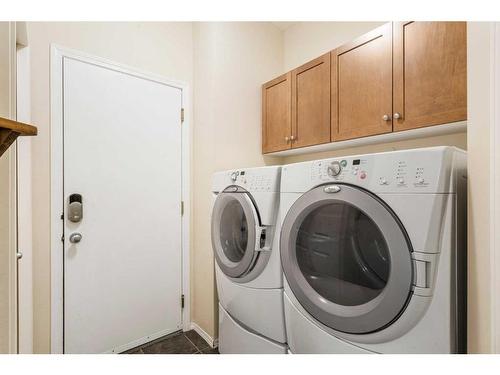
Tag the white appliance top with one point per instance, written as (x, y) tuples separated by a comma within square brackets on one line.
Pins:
[(256, 180), (424, 170)]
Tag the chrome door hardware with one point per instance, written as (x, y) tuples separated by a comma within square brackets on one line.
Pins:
[(75, 237), (331, 189), (75, 208), (19, 255)]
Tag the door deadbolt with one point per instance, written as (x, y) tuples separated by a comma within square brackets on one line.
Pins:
[(75, 208)]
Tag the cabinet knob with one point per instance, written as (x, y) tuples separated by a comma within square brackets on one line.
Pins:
[(396, 115), (287, 139), (386, 117), (292, 138)]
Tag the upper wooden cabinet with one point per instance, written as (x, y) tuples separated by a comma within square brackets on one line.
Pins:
[(311, 103), (361, 82), (276, 114), (400, 76), (430, 73)]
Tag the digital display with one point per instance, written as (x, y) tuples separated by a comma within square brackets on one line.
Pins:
[(356, 162), (242, 173)]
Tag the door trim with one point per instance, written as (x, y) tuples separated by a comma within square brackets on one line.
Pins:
[(495, 185), (57, 54)]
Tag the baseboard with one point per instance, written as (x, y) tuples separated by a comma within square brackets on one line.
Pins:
[(214, 343)]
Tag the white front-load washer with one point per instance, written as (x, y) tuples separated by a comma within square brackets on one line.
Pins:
[(248, 269), (373, 250)]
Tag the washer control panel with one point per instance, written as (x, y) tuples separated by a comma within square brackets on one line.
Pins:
[(266, 179)]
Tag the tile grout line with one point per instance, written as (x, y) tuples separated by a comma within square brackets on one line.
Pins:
[(192, 343)]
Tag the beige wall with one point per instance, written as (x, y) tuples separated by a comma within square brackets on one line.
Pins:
[(232, 60), (306, 40), (162, 48), (479, 38)]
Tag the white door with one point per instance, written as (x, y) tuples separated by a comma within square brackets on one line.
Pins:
[(122, 154)]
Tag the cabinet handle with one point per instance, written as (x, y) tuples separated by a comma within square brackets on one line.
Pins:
[(396, 115), (292, 138), (386, 117), (287, 139)]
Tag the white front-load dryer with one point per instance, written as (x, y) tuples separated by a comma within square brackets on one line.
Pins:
[(373, 250), (248, 269)]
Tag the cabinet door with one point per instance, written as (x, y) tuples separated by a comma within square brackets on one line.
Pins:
[(311, 103), (362, 86), (276, 116), (430, 73)]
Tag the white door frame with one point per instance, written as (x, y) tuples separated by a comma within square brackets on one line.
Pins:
[(495, 187), (57, 55)]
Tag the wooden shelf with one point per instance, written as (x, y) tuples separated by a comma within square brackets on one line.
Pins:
[(10, 130)]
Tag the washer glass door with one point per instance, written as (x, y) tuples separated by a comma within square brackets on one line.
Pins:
[(347, 258), (234, 221)]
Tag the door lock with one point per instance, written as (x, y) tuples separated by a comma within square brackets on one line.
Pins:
[(75, 208)]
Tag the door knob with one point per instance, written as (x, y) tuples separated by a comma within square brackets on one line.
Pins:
[(386, 117), (396, 115), (75, 237), (19, 255)]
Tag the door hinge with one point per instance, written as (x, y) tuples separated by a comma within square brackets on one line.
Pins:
[(182, 301), (182, 115), (62, 238), (182, 208)]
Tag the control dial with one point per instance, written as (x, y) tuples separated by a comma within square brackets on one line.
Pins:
[(334, 169)]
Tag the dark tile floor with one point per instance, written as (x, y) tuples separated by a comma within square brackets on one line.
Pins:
[(177, 343)]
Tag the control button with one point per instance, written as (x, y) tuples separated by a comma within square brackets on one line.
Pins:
[(384, 181), (355, 172), (362, 175), (334, 169), (420, 181), (343, 163), (401, 181)]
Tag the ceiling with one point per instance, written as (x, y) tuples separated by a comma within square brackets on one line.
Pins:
[(283, 25)]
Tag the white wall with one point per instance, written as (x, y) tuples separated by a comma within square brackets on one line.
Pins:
[(231, 62), (162, 48)]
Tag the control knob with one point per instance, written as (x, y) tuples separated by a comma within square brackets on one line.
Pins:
[(334, 169)]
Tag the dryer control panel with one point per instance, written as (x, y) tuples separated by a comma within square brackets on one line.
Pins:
[(420, 170)]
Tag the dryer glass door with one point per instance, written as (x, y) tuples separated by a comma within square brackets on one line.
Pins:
[(234, 231), (347, 258)]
